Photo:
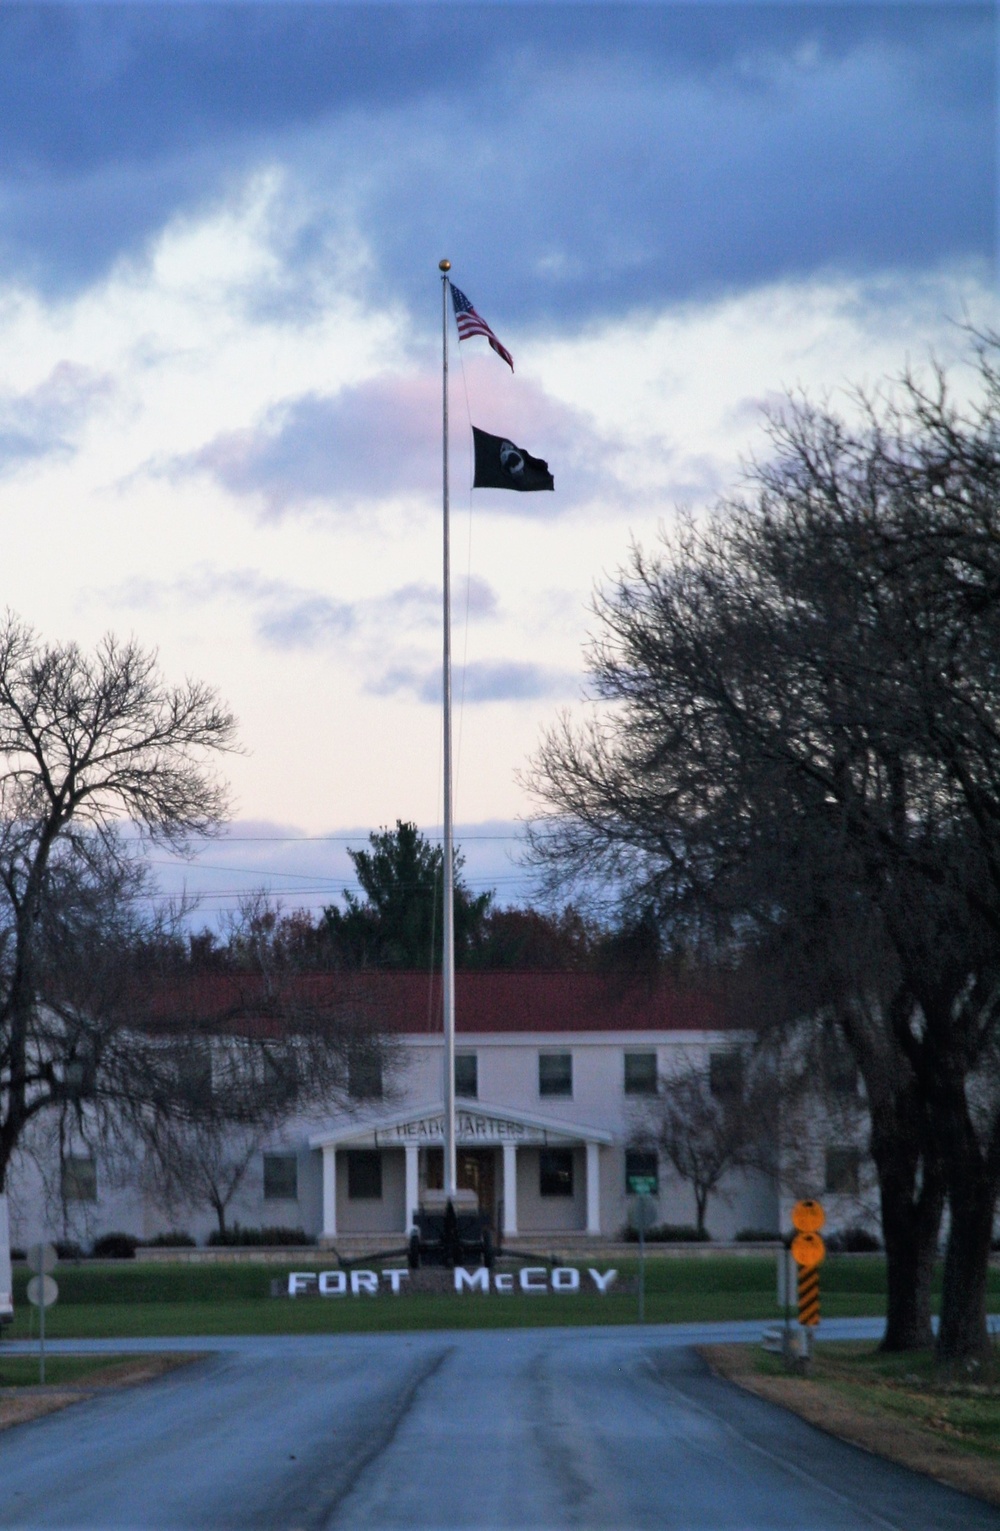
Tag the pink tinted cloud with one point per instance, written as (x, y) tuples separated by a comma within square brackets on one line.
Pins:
[(382, 438)]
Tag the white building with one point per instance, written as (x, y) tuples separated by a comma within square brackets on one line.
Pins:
[(551, 1071)]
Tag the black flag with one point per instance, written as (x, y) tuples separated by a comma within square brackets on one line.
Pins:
[(502, 465)]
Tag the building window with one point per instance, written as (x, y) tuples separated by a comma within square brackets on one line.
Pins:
[(640, 1073), (840, 1072), (79, 1178), (195, 1072), (642, 1172), (281, 1177), (364, 1076), (364, 1175), (555, 1073), (555, 1172), (843, 1171), (467, 1075), (725, 1074)]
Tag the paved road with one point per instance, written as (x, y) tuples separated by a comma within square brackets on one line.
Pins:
[(515, 1429)]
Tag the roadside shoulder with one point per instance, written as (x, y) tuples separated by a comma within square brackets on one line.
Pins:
[(19, 1405), (873, 1430)]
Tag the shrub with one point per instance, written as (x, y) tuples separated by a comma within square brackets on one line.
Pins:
[(115, 1246), (757, 1236), (670, 1233), (68, 1249), (853, 1241), (18, 1254), (236, 1237), (174, 1240)]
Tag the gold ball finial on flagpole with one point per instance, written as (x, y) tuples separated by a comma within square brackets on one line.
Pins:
[(444, 265)]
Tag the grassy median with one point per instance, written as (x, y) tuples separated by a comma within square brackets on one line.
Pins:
[(940, 1420), (139, 1299), (960, 1403), (22, 1371)]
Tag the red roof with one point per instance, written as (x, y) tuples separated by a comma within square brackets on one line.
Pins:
[(408, 1002)]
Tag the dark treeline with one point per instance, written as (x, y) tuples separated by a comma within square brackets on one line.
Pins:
[(396, 922)]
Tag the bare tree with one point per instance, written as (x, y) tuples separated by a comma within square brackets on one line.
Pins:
[(707, 1135), (99, 756), (201, 1163), (806, 741), (86, 741), (702, 1136)]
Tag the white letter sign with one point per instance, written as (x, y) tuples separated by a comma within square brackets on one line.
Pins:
[(472, 1281)]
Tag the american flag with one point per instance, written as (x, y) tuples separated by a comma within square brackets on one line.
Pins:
[(470, 323)]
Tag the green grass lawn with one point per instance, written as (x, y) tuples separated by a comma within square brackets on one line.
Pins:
[(22, 1371), (959, 1405), (135, 1299)]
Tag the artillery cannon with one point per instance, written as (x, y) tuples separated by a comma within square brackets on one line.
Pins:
[(450, 1230)]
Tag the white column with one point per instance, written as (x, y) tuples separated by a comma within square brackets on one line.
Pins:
[(510, 1188), (329, 1191), (412, 1183), (593, 1188)]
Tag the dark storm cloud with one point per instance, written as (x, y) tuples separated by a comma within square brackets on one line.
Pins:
[(616, 156)]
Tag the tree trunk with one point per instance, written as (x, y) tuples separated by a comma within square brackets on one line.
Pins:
[(963, 1333), (701, 1206), (910, 1229), (912, 1206)]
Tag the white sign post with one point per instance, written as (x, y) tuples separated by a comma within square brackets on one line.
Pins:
[(642, 1216), (42, 1292), (6, 1278)]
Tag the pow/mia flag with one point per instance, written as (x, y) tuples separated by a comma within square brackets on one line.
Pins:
[(502, 465)]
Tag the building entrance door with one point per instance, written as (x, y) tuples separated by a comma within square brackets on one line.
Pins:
[(475, 1170)]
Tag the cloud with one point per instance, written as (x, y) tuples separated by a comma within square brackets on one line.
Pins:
[(44, 421), (369, 441), (609, 157), (487, 680), (381, 439), (287, 616)]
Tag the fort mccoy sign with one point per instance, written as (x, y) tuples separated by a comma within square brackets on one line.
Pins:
[(533, 1279)]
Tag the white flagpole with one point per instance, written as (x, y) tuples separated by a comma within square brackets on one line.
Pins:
[(448, 958)]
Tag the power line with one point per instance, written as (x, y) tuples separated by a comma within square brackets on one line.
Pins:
[(346, 839)]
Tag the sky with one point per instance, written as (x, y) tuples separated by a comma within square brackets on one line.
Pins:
[(220, 346)]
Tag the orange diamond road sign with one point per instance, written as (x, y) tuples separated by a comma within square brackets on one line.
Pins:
[(808, 1216), (808, 1250)]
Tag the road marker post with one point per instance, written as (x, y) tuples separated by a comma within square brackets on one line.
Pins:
[(808, 1251), (809, 1296)]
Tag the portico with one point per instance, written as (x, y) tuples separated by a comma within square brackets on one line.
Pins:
[(526, 1169)]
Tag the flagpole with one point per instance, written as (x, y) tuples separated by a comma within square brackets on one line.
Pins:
[(448, 956)]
